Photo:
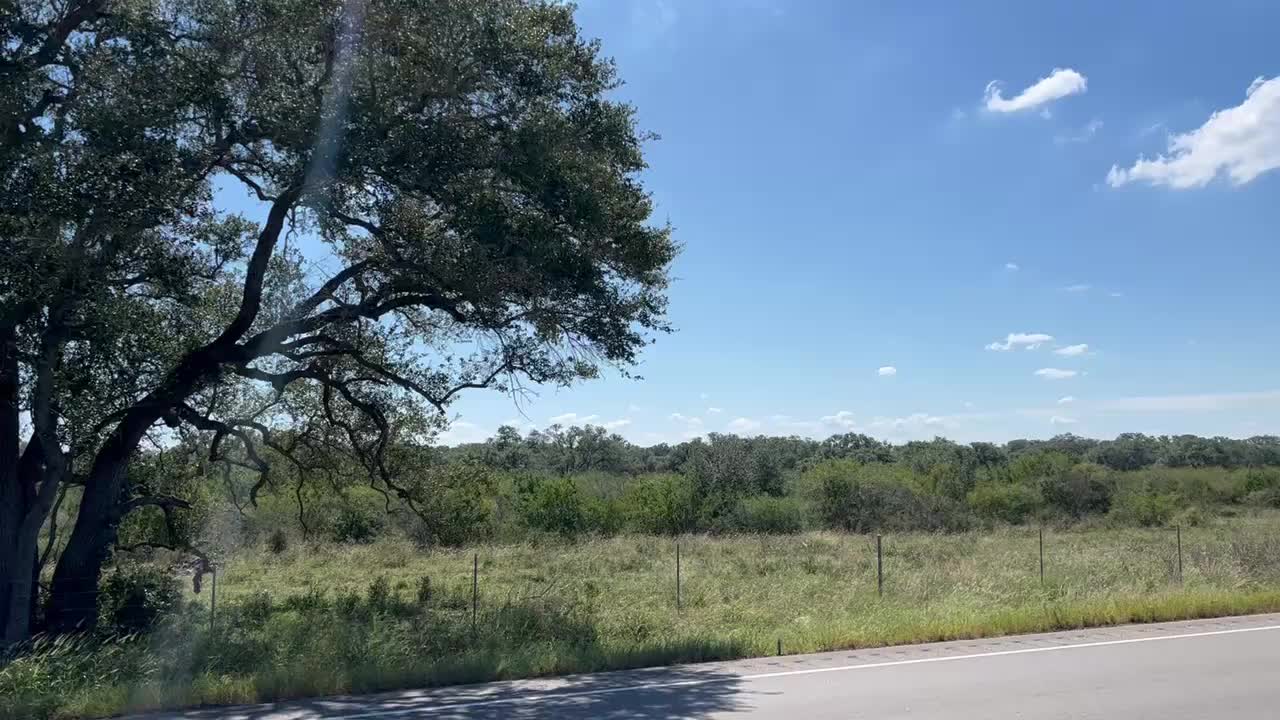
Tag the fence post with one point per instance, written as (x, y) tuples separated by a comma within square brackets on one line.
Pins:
[(1178, 528), (213, 600), (1042, 556), (679, 602), (879, 568), (475, 590)]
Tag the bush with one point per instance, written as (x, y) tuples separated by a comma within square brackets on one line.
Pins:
[(134, 597), (1011, 503), (277, 541), (553, 504), (1082, 490), (766, 514), (1145, 509), (660, 504), (867, 498), (456, 504), (356, 525)]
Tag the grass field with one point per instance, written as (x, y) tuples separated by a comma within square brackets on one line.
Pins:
[(333, 619)]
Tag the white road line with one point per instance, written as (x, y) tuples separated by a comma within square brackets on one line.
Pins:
[(553, 695)]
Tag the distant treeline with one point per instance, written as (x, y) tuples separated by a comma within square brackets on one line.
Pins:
[(579, 449), (584, 480)]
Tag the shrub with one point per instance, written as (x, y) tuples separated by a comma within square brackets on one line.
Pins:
[(1146, 509), (1081, 490), (456, 504), (766, 514), (134, 597), (865, 498), (1012, 503), (660, 504), (356, 525), (553, 504), (277, 541)]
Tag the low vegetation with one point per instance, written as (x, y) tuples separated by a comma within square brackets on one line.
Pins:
[(322, 618)]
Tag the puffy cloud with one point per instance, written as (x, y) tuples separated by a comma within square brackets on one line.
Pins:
[(714, 411), (1056, 373), (887, 371), (1060, 83), (1241, 142), (1060, 420), (1012, 267), (743, 425), (1030, 341), (572, 419), (686, 419), (615, 424), (1066, 400), (1072, 350), (842, 419)]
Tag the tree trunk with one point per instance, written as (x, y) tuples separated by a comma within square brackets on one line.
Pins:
[(17, 496), (73, 596)]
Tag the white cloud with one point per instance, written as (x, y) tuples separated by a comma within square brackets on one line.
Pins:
[(1056, 373), (1116, 294), (1011, 267), (615, 424), (461, 432), (1243, 142), (791, 426), (1066, 400), (1030, 341), (1194, 403), (887, 371), (1078, 288), (915, 424), (842, 419), (572, 419), (634, 408), (714, 411), (686, 419), (743, 425), (1085, 134), (1060, 83), (1072, 350), (1060, 420)]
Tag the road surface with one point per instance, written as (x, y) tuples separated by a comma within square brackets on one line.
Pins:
[(1224, 668)]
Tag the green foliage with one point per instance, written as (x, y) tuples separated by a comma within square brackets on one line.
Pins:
[(135, 597), (663, 504), (1078, 491), (868, 498), (554, 504), (767, 514), (1006, 502), (453, 504), (1143, 509)]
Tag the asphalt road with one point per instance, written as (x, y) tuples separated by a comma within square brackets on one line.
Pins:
[(1225, 668)]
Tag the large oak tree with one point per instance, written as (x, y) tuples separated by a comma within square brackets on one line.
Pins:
[(449, 200)]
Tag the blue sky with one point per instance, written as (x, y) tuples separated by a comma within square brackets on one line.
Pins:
[(853, 194)]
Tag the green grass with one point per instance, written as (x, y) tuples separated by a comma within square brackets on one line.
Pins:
[(307, 622)]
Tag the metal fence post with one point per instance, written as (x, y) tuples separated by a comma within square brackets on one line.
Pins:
[(679, 601), (1178, 528), (213, 600), (879, 568), (475, 590), (1042, 556)]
